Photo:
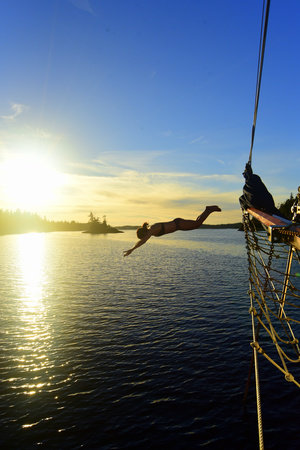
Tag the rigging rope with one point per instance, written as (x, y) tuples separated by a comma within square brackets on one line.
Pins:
[(262, 44), (275, 300)]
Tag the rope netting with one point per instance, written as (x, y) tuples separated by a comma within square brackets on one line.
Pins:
[(274, 289)]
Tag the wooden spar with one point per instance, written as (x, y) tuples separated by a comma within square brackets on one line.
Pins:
[(279, 229), (267, 219)]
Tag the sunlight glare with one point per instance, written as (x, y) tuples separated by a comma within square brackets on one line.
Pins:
[(30, 182), (34, 330), (31, 260)]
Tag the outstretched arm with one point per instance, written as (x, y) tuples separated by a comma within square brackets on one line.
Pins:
[(138, 244)]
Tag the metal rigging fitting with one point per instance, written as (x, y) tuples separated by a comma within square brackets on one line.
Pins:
[(296, 208)]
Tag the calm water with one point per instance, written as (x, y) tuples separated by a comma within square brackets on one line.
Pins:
[(150, 351)]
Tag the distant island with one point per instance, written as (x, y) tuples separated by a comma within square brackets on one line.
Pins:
[(18, 222), (94, 226)]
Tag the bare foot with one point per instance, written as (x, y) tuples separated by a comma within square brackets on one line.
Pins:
[(213, 208)]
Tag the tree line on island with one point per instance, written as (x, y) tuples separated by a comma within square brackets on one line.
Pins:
[(14, 222), (95, 226)]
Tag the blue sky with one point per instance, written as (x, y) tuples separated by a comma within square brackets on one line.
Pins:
[(143, 108)]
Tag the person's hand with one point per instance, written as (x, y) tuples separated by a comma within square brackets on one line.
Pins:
[(127, 252)]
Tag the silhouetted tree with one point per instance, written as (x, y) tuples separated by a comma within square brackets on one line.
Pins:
[(94, 224), (93, 219), (285, 207)]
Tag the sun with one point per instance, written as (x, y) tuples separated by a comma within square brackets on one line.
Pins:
[(30, 182)]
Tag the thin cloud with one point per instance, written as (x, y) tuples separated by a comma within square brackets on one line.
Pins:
[(110, 166), (198, 139), (229, 178), (133, 160), (224, 177), (84, 5), (17, 109)]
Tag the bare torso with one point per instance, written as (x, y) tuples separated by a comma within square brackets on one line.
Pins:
[(160, 228)]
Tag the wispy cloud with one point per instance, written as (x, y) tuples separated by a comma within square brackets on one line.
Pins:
[(229, 178), (84, 5), (17, 109), (198, 139), (129, 160), (144, 164)]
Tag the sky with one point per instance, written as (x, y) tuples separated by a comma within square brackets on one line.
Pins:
[(141, 110)]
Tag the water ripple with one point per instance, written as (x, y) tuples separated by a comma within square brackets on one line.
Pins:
[(149, 352)]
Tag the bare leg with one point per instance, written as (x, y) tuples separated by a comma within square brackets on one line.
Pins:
[(186, 225), (208, 210)]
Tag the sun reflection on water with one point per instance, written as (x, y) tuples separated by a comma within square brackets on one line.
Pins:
[(33, 331), (31, 262)]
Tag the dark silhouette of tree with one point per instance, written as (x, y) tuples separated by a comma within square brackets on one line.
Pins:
[(94, 224), (97, 227), (93, 219), (285, 207), (13, 222)]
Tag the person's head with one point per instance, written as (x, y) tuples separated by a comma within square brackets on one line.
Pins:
[(142, 231)]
